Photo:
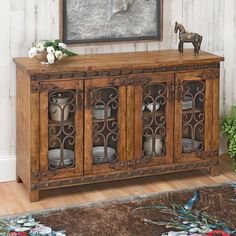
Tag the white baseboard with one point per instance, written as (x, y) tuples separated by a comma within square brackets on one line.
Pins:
[(7, 168)]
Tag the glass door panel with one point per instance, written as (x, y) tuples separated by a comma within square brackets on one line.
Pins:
[(193, 116), (193, 119), (154, 120), (61, 129), (104, 125), (154, 108)]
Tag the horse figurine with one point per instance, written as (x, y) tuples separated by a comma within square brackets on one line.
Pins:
[(187, 37)]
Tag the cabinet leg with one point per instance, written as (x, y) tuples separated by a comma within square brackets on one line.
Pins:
[(214, 171), (34, 195)]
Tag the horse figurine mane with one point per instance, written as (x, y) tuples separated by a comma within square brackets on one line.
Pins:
[(187, 37)]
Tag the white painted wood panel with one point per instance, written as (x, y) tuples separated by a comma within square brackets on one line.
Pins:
[(23, 22)]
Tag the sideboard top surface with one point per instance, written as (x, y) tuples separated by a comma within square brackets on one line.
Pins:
[(133, 60)]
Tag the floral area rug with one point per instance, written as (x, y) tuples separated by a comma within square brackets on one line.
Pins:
[(207, 211)]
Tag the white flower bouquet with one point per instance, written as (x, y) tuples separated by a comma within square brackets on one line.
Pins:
[(49, 52)]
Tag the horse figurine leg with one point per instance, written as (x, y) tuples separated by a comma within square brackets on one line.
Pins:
[(181, 47), (195, 45)]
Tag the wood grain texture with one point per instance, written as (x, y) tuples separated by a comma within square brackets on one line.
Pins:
[(130, 122), (154, 59), (23, 129)]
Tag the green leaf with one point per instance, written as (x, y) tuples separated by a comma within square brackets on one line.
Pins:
[(69, 53)]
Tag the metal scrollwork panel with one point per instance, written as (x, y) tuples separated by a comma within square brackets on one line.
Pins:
[(154, 120), (193, 117), (104, 104), (61, 129)]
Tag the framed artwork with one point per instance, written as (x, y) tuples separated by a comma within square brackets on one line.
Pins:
[(96, 21)]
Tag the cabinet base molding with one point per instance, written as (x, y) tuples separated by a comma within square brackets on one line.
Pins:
[(82, 180)]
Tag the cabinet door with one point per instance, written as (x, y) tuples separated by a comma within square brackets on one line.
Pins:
[(105, 124), (153, 126), (61, 129), (193, 115)]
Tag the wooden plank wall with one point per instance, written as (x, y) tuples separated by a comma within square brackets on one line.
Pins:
[(25, 21)]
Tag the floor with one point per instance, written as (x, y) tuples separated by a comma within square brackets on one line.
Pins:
[(14, 199)]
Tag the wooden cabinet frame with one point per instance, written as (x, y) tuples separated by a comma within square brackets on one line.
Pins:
[(168, 80), (77, 87), (130, 74), (192, 77), (90, 86)]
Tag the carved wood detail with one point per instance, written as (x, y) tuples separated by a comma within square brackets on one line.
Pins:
[(123, 175), (130, 164), (204, 155)]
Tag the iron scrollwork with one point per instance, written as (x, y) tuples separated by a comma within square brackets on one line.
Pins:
[(105, 130), (61, 134), (154, 120), (193, 117)]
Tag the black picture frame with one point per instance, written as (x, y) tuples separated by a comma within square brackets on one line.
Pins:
[(157, 37)]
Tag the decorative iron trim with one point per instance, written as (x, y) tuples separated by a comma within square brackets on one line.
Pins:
[(80, 99), (92, 74), (118, 82), (155, 170), (38, 88), (154, 122), (35, 88), (170, 91), (89, 98), (37, 175), (208, 75), (130, 164), (179, 91), (208, 155), (127, 81)]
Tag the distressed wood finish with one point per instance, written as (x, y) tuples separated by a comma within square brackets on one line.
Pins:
[(215, 118), (24, 147), (125, 63), (128, 73)]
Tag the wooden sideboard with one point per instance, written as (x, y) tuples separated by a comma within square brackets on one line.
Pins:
[(96, 118)]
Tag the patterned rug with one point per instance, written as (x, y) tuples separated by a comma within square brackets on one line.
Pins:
[(209, 211)]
